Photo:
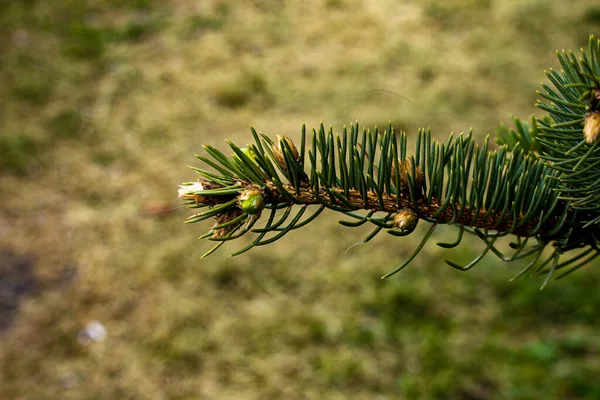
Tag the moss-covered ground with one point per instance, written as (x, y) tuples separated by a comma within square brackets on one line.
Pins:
[(104, 102)]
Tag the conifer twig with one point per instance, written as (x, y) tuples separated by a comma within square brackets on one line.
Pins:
[(541, 182)]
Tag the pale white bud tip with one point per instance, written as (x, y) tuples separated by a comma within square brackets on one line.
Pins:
[(190, 188)]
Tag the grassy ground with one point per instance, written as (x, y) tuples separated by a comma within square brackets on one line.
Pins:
[(103, 103)]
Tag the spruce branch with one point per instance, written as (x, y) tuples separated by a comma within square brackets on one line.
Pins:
[(540, 183)]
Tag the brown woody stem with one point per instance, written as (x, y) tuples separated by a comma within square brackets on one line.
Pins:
[(394, 203)]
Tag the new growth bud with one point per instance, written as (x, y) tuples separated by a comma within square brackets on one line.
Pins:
[(190, 189), (249, 152), (278, 150), (591, 127), (406, 170), (251, 201), (405, 220), (193, 191)]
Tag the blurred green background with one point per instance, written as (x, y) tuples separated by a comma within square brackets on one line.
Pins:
[(104, 102)]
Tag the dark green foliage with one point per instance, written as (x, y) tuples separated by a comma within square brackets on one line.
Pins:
[(34, 89), (209, 22), (525, 135), (247, 87), (66, 124), (16, 152), (85, 42), (540, 184), (562, 137), (137, 29), (592, 14)]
